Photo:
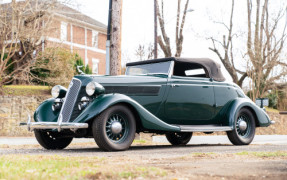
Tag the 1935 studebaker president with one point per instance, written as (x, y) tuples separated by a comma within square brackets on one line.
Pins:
[(171, 96)]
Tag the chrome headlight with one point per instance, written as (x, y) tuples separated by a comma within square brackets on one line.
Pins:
[(94, 88), (58, 92)]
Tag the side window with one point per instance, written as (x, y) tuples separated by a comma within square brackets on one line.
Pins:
[(95, 68), (195, 73), (189, 70), (95, 39), (64, 31)]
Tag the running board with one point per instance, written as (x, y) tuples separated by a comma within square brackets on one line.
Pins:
[(203, 128)]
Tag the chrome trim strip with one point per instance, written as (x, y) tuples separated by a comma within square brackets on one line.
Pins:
[(204, 128), (171, 68), (54, 125)]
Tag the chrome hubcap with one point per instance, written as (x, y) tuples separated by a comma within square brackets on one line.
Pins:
[(242, 125), (116, 127)]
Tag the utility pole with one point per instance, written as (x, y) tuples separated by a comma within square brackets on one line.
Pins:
[(155, 29), (116, 37), (108, 43)]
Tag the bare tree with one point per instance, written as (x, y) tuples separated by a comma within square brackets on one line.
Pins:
[(143, 53), (23, 26), (224, 50), (164, 40), (265, 47)]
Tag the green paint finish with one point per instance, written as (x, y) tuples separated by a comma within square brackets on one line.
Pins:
[(148, 120), (179, 100), (239, 103), (44, 112), (190, 101)]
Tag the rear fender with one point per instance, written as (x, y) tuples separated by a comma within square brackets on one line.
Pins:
[(103, 102), (261, 117)]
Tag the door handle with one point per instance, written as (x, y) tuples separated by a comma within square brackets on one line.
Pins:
[(174, 85)]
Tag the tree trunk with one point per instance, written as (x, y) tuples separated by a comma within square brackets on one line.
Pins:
[(116, 33)]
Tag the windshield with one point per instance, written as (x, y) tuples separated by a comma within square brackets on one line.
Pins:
[(146, 69)]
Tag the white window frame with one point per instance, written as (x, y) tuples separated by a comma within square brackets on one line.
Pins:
[(64, 31), (95, 39), (95, 66)]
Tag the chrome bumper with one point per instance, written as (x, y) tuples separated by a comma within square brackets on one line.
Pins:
[(53, 125)]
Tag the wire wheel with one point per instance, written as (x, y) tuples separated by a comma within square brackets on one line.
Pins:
[(114, 129), (117, 128), (178, 138), (243, 126), (52, 140)]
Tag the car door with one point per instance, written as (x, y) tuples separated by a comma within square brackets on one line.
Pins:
[(190, 101)]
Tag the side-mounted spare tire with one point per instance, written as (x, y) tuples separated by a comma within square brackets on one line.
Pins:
[(244, 128), (114, 129)]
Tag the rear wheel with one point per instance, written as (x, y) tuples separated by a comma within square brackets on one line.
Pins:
[(244, 128), (114, 129), (177, 139), (52, 140)]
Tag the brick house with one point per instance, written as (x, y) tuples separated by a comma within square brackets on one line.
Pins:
[(80, 34)]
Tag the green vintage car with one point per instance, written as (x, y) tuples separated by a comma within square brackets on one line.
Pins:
[(171, 96)]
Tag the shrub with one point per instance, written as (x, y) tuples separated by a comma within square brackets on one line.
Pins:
[(57, 66)]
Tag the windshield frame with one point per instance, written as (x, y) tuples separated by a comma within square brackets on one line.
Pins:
[(169, 73)]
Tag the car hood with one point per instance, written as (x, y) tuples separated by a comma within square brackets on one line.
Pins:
[(123, 79)]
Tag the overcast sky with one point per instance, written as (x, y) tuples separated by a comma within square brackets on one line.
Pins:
[(138, 27), (138, 23)]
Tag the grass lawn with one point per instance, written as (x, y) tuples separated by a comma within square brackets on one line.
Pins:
[(264, 154), (272, 110), (77, 167), (25, 90)]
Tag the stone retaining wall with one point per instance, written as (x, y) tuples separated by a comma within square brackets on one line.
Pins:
[(15, 109), (279, 128)]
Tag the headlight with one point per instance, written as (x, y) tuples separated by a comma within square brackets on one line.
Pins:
[(58, 91), (94, 88)]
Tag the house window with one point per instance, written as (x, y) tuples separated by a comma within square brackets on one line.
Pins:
[(64, 31), (95, 39), (95, 68)]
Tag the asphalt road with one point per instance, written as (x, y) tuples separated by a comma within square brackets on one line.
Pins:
[(205, 157), (159, 147)]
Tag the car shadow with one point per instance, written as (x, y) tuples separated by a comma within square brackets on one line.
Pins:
[(144, 148)]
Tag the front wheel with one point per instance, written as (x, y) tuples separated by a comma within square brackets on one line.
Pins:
[(244, 128), (177, 139), (114, 129), (52, 140)]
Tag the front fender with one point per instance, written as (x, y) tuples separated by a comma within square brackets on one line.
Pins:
[(101, 103), (261, 117), (44, 112)]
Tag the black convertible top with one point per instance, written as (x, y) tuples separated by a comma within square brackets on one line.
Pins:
[(212, 67)]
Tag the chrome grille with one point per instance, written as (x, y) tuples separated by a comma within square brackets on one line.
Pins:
[(70, 100)]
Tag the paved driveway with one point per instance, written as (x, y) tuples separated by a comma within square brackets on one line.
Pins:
[(196, 140)]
